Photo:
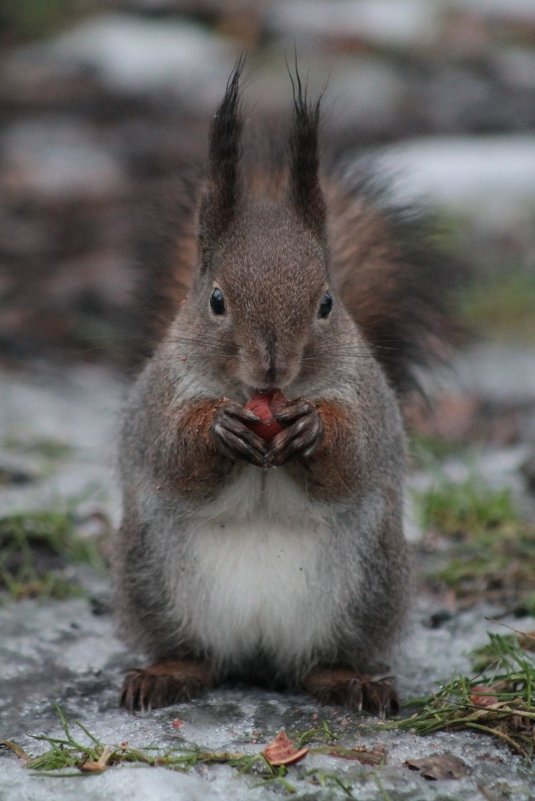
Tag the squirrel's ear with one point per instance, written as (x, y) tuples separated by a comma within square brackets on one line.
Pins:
[(222, 189), (305, 191)]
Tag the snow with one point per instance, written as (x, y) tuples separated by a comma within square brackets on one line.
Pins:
[(386, 22), (55, 158), (134, 55), (494, 174), (62, 652)]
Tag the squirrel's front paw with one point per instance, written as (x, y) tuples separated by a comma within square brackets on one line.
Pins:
[(302, 432), (233, 436)]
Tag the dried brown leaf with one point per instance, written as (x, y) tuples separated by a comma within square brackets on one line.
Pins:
[(282, 751), (439, 766), (483, 696)]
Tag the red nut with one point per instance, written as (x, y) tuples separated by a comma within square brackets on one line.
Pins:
[(263, 404)]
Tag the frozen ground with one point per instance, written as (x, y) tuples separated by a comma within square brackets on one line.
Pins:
[(67, 652)]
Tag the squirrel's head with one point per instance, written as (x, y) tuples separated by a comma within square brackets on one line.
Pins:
[(262, 288)]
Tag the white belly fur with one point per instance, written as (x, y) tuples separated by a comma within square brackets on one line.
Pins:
[(260, 573)]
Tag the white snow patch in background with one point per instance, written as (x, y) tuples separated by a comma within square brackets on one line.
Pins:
[(490, 172), (57, 158), (512, 10), (389, 22), (497, 371), (135, 55)]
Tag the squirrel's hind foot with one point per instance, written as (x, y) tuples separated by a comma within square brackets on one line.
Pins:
[(163, 684), (356, 691)]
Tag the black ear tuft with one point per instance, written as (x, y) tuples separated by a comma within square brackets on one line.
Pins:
[(222, 191), (305, 189)]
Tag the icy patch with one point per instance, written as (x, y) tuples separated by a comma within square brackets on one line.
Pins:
[(120, 784), (78, 408)]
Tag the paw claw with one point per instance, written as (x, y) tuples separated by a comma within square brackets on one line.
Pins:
[(357, 692), (301, 434), (233, 437), (163, 684)]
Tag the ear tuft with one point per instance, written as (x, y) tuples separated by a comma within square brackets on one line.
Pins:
[(222, 191), (305, 190)]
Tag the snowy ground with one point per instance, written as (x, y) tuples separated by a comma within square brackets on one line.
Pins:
[(67, 652)]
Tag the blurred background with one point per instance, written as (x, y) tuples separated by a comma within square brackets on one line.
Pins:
[(103, 104)]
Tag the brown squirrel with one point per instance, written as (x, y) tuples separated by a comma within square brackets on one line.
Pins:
[(276, 560)]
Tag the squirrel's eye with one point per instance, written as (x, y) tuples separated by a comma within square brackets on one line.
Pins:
[(217, 301), (326, 305)]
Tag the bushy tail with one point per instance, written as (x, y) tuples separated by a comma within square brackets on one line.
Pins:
[(394, 278)]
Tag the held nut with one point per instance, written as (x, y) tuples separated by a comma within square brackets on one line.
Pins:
[(263, 404)]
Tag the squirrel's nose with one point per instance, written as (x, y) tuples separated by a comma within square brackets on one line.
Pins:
[(273, 362)]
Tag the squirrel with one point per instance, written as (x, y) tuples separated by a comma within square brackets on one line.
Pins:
[(277, 559)]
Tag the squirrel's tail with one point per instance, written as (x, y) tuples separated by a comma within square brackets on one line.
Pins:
[(392, 275)]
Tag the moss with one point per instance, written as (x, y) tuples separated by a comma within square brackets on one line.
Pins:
[(502, 306), (491, 550), (36, 551), (31, 19), (426, 450), (48, 448), (458, 508)]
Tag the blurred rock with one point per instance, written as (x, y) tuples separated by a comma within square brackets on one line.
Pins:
[(364, 93), (516, 66), (57, 158), (133, 55), (528, 470)]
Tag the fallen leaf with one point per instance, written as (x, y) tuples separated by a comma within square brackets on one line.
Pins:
[(281, 751), (439, 766), (483, 696), (177, 723)]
